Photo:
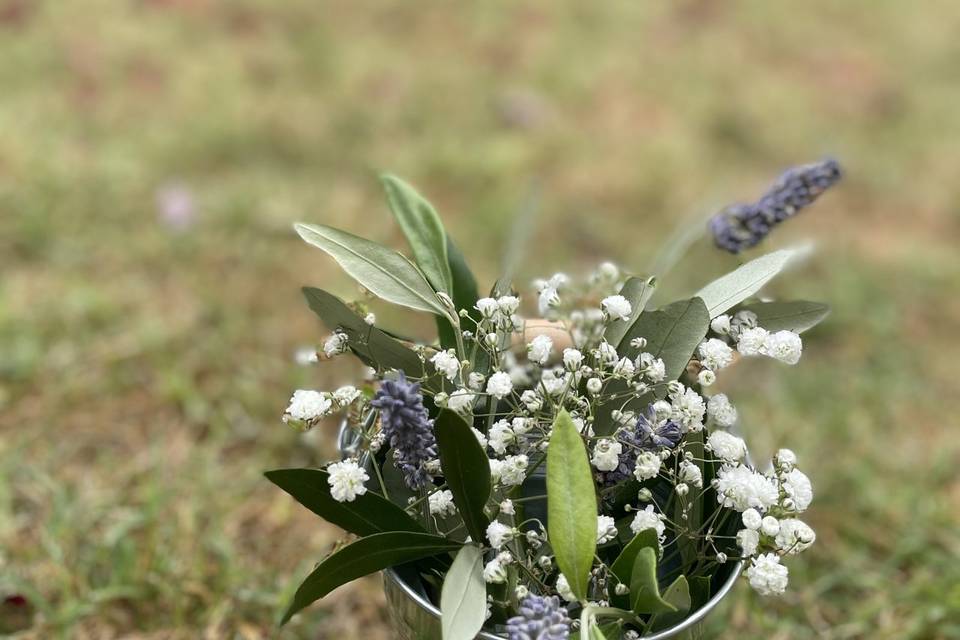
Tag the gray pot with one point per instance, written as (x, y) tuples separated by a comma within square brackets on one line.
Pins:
[(414, 617)]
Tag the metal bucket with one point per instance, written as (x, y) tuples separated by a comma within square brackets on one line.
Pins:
[(415, 617)]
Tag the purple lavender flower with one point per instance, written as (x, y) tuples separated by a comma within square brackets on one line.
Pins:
[(407, 428), (647, 434), (741, 226), (541, 618)]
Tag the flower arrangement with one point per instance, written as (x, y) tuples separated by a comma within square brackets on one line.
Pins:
[(571, 472)]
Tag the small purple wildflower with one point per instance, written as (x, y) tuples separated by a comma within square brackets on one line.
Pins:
[(407, 428), (741, 226), (646, 435), (176, 208), (541, 618)]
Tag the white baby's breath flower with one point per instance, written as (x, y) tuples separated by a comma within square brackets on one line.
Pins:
[(346, 395), (797, 486), (506, 507), (606, 529), (706, 377), (785, 346), (346, 480), (785, 460), (617, 307), (572, 359), (499, 385), (335, 344), (531, 400), (441, 503), (488, 307), (752, 342), (495, 571), (721, 324), (648, 466), (624, 368), (539, 349), (606, 353), (500, 436), (741, 488), (767, 576), (794, 536), (594, 385), (688, 409), (727, 446), (554, 381), (307, 405), (691, 474), (446, 363), (747, 540), (508, 305), (475, 380), (752, 519), (769, 526), (655, 369), (461, 401), (499, 534), (719, 408), (514, 470), (647, 518), (715, 354), (563, 588), (606, 454), (370, 319)]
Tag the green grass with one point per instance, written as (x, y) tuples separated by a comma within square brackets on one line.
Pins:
[(142, 371)]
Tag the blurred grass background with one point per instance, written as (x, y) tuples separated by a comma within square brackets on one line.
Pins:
[(154, 153)]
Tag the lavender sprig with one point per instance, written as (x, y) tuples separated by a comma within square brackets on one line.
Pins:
[(541, 618), (741, 226), (407, 428)]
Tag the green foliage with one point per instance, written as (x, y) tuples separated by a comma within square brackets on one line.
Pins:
[(677, 595), (365, 556), (644, 590), (382, 271), (367, 514), (672, 333), (571, 504), (793, 315), (463, 601), (738, 285), (423, 229), (466, 470), (465, 294), (372, 346)]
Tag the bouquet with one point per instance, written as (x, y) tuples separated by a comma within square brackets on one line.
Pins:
[(566, 471)]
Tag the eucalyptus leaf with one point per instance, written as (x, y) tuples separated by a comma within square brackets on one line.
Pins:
[(622, 567), (466, 470), (374, 347), (365, 556), (382, 271), (644, 590), (463, 599), (699, 591), (638, 292), (672, 333), (726, 292), (365, 515), (421, 225), (793, 315), (571, 504), (678, 595)]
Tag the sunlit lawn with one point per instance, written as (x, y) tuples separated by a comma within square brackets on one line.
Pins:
[(143, 366)]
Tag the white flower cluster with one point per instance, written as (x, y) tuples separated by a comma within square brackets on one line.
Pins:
[(644, 421), (769, 505)]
